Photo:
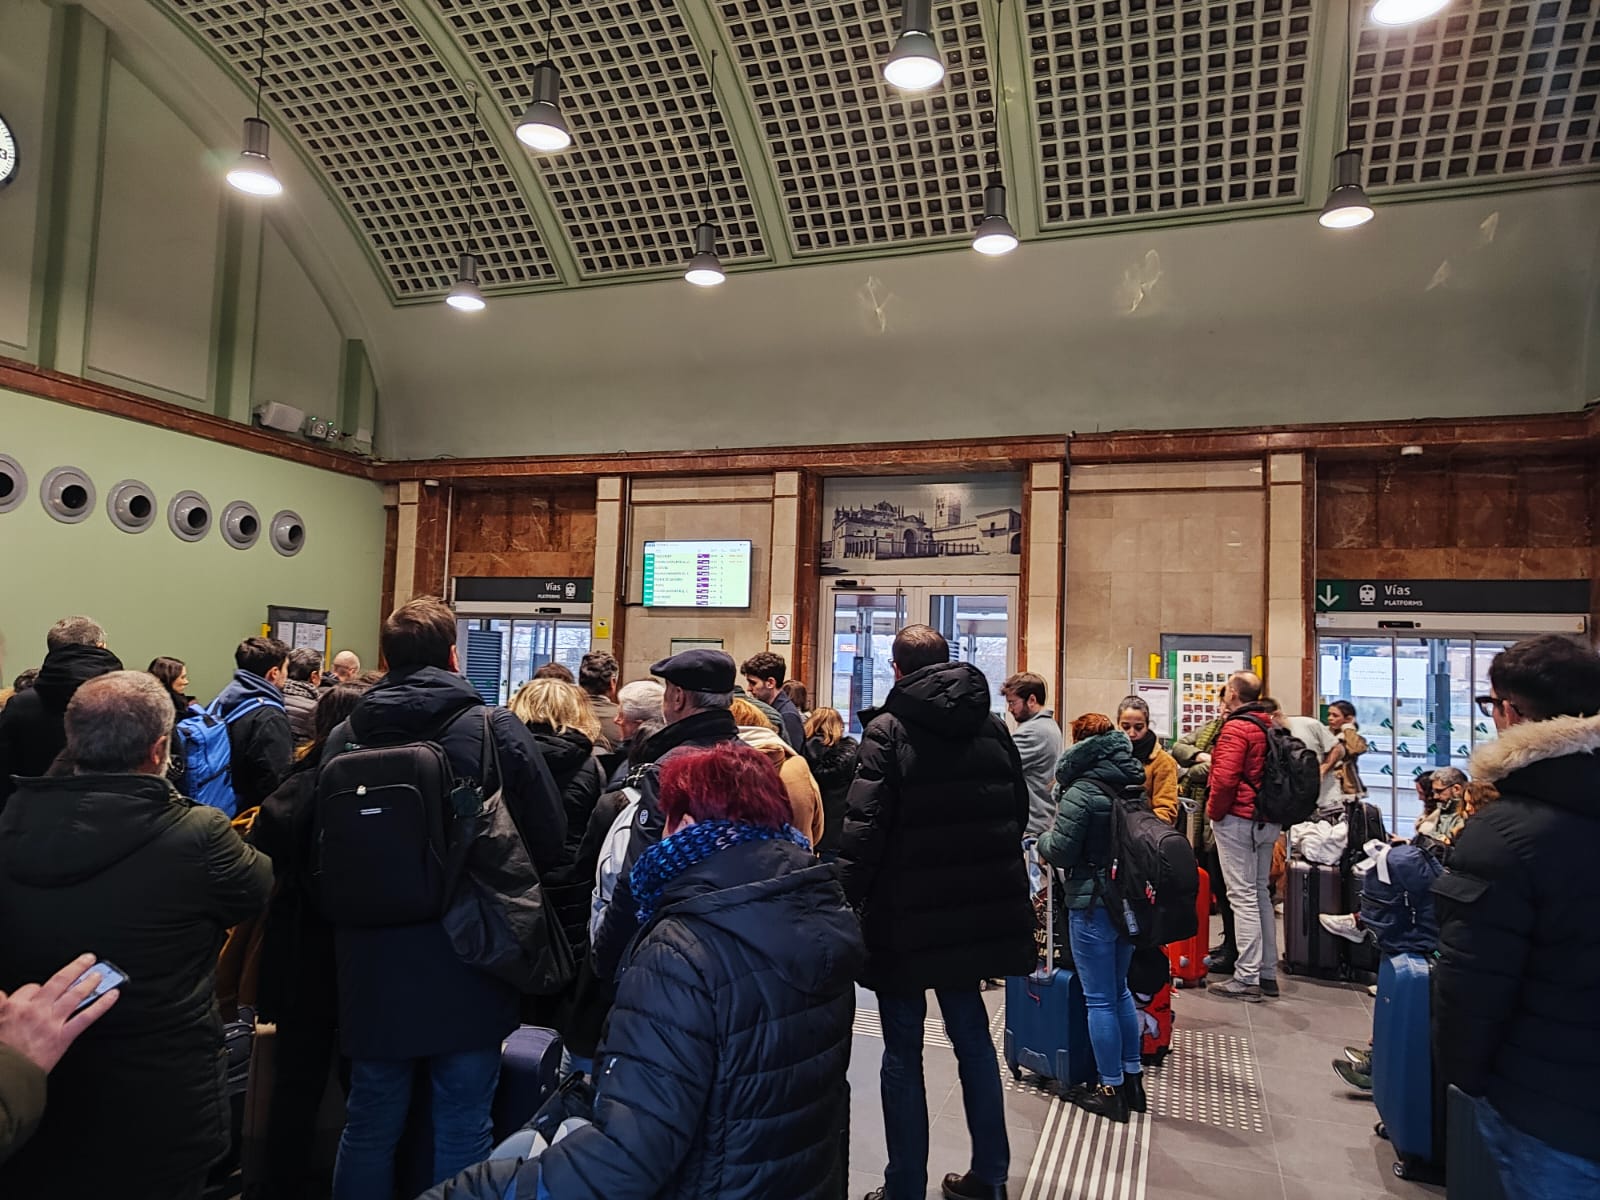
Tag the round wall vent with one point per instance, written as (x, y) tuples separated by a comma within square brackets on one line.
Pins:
[(189, 516), (67, 495), (241, 525), (288, 533), (13, 483), (131, 505)]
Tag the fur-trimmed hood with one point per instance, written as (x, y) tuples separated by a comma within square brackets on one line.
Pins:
[(1532, 742)]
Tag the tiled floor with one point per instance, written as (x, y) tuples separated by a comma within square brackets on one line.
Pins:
[(1246, 1108)]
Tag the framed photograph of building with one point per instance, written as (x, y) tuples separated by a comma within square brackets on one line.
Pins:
[(922, 524)]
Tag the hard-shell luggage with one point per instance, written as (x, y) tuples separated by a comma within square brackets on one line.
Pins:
[(1308, 948), (1188, 957), (530, 1068), (1047, 1019), (1402, 1067), (1155, 1026)]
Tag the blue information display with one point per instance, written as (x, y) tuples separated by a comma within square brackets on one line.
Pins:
[(699, 574)]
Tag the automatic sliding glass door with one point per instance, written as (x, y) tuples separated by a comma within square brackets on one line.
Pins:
[(523, 645), (1413, 701)]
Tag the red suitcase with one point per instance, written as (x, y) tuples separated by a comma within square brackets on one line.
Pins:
[(1155, 1026), (1188, 957)]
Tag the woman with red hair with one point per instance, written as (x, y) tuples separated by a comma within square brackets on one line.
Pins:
[(722, 1072)]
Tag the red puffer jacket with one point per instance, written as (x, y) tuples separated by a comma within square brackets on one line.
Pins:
[(1238, 759)]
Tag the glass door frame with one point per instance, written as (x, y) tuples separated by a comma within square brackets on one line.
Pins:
[(913, 596)]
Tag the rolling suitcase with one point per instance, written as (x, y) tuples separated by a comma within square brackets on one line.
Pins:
[(1471, 1169), (530, 1068), (1308, 948), (1188, 957), (1047, 1020), (1402, 1068)]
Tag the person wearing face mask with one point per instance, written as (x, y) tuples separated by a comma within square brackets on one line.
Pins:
[(1160, 768)]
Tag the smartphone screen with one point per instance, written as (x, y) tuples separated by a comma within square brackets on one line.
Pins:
[(111, 976)]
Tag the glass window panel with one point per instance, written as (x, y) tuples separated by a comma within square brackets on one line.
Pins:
[(978, 629), (864, 625)]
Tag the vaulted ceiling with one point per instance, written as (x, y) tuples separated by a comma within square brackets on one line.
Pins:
[(1105, 114)]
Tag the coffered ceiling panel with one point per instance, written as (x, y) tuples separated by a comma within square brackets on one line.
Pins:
[(390, 130), (1103, 113), (650, 151), (1168, 106), (1489, 90), (857, 164)]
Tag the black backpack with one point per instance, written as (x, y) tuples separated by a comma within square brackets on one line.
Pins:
[(1154, 882), (1291, 777), (382, 831)]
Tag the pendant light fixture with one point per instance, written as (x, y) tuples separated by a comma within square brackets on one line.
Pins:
[(465, 295), (914, 64), (253, 173), (542, 127), (705, 268), (995, 235), (1405, 12), (1347, 206)]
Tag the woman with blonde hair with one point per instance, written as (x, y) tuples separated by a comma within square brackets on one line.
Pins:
[(805, 798), (833, 756), (566, 728)]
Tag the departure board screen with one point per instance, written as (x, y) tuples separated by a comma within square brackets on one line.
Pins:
[(711, 574)]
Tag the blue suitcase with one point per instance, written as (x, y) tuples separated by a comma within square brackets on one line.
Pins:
[(1403, 1083), (530, 1068), (1047, 1020)]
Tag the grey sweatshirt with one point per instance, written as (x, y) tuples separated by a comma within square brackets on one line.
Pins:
[(1038, 741)]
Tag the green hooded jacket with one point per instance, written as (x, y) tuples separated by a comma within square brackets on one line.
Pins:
[(1088, 775)]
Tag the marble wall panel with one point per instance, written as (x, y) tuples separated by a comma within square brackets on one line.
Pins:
[(523, 531)]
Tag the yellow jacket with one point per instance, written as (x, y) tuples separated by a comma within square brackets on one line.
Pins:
[(1161, 785)]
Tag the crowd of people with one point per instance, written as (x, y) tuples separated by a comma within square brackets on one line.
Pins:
[(686, 878)]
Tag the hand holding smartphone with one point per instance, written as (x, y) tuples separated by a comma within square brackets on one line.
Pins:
[(111, 976)]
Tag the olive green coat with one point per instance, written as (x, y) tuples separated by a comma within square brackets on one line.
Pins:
[(1088, 775)]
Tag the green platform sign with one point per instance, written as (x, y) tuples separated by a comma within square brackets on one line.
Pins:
[(1412, 596)]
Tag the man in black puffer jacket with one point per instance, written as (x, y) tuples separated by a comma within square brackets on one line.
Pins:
[(1517, 986), (932, 858), (31, 729)]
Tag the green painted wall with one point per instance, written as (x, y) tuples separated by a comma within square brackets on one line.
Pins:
[(158, 595)]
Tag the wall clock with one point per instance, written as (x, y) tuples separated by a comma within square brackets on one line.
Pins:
[(8, 153)]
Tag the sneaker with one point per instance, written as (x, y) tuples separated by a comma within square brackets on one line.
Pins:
[(1218, 965), (1360, 1080), (1372, 990), (965, 1187), (1360, 1057), (1269, 987), (1133, 1093), (1102, 1101), (1344, 925), (874, 1194), (1234, 990)]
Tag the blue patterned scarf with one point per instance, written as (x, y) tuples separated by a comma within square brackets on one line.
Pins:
[(693, 844)]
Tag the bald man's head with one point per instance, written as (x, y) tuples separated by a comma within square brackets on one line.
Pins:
[(1244, 687), (346, 666)]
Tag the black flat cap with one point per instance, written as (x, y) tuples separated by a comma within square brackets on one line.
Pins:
[(698, 670)]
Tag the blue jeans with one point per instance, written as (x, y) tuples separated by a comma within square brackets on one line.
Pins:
[(905, 1098), (1530, 1169), (1102, 959), (380, 1097)]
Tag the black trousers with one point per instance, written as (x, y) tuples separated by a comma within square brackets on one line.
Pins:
[(306, 1051), (1219, 889)]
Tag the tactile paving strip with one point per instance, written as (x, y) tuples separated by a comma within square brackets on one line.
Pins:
[(1488, 89), (390, 129), (649, 147), (1210, 1078), (1150, 107)]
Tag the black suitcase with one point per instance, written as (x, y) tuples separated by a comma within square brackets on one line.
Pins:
[(1308, 949)]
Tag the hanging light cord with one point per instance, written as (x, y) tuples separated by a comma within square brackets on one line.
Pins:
[(261, 55), (476, 217), (547, 50), (999, 84), (710, 140), (1347, 85)]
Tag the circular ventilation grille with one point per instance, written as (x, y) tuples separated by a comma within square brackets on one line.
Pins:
[(67, 495), (13, 483), (288, 533), (189, 516), (241, 525), (131, 505)]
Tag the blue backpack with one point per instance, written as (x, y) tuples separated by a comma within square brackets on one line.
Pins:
[(1400, 912), (208, 755)]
